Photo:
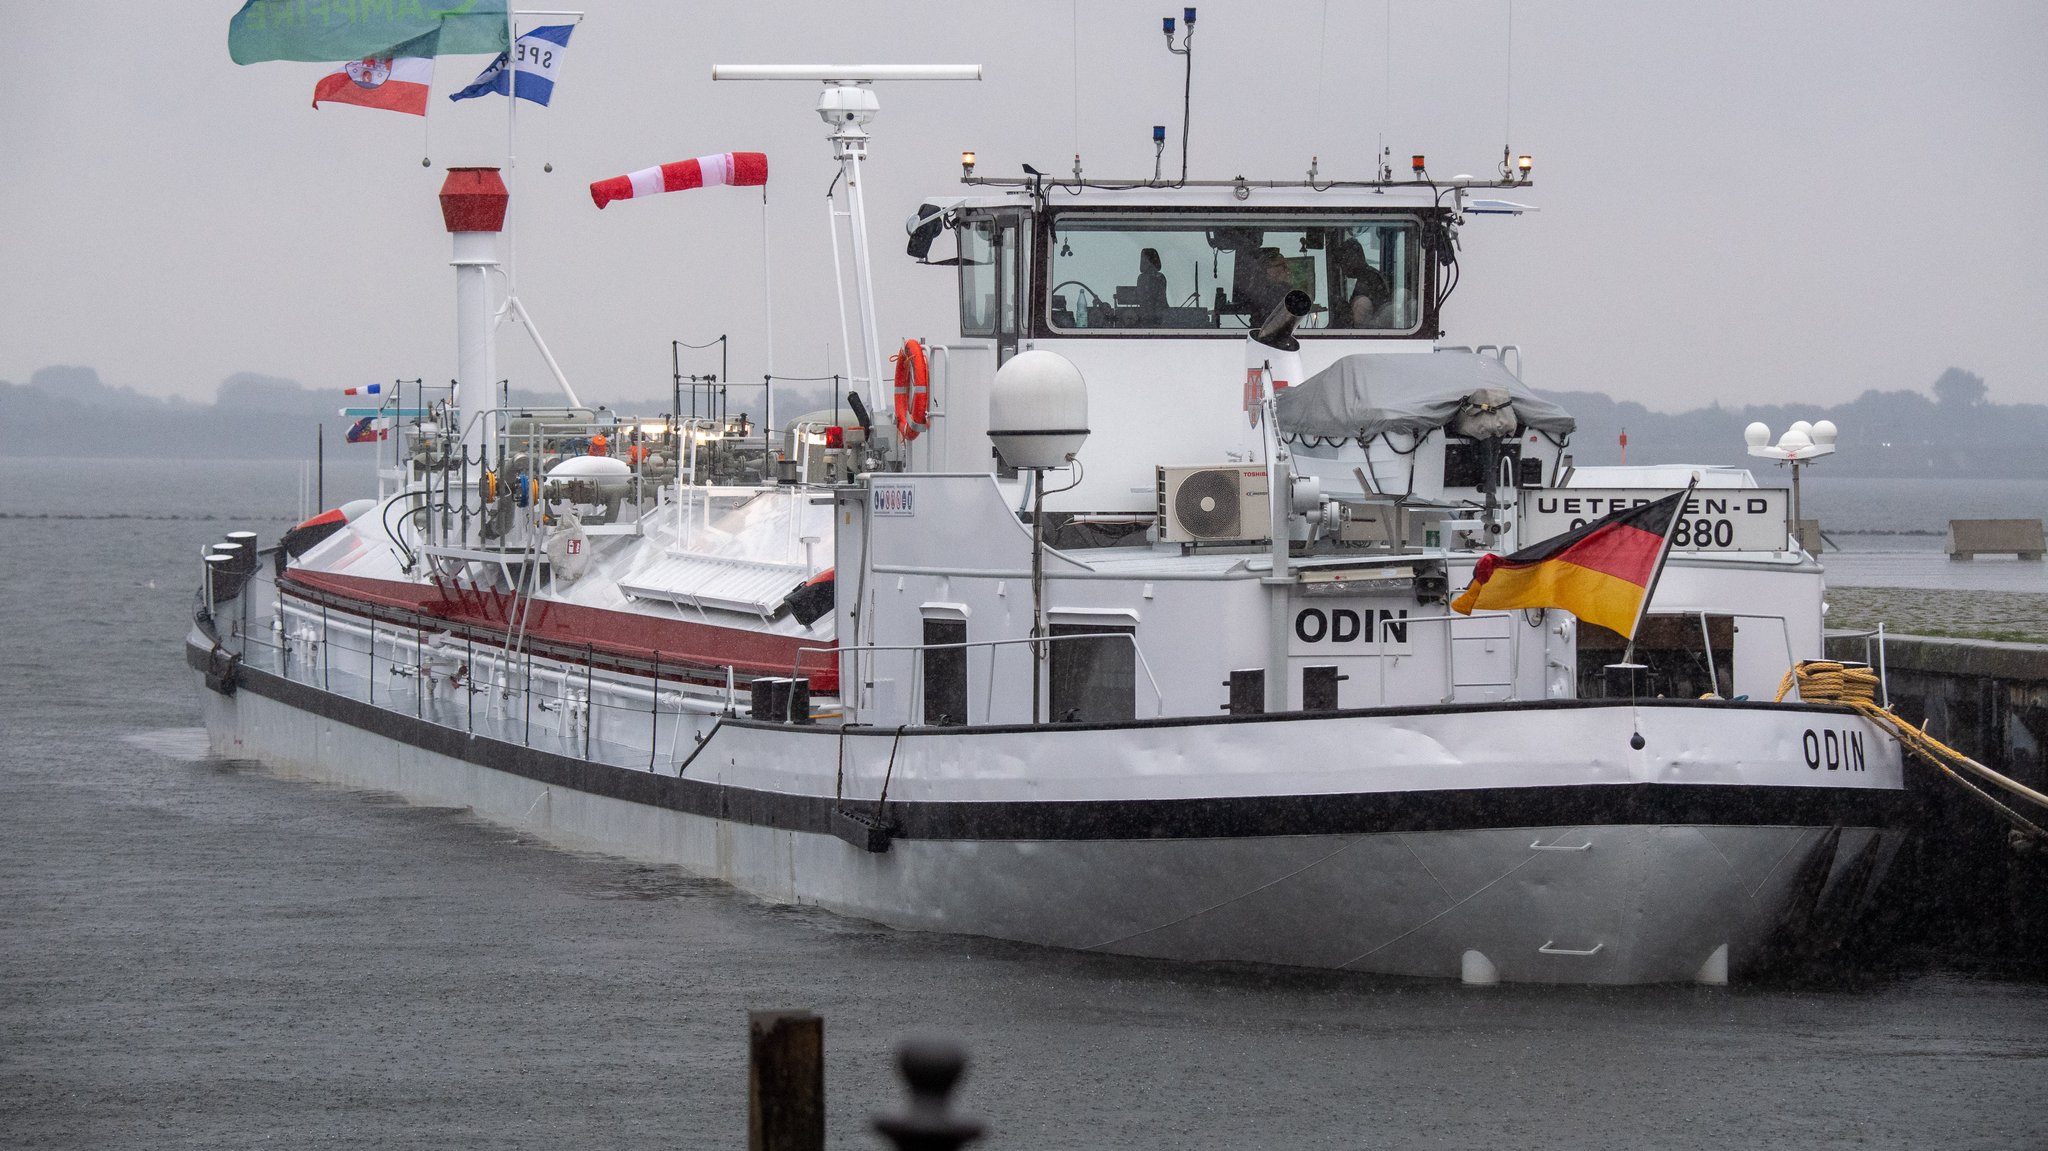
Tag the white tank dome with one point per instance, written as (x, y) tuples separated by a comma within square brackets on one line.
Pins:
[(1038, 410), (608, 475), (598, 468)]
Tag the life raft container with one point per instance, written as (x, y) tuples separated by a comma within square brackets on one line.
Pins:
[(913, 390)]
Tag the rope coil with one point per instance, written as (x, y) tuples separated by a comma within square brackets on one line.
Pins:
[(1826, 681)]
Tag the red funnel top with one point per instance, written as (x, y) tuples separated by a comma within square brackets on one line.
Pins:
[(473, 200)]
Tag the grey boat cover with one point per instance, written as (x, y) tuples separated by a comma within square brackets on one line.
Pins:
[(1365, 394)]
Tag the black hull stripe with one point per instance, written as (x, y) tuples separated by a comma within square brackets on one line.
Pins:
[(1231, 817)]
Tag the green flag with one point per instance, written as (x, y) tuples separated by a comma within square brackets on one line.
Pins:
[(330, 30)]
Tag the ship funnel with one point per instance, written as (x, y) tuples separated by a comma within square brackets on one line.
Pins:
[(473, 207)]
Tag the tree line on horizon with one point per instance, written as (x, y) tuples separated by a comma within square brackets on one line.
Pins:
[(1953, 429)]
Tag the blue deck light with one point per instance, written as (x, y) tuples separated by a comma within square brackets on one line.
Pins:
[(1158, 133), (1167, 23), (1188, 17)]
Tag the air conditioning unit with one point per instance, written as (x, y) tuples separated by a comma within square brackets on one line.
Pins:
[(1225, 503)]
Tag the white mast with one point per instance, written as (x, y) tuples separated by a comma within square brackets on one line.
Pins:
[(848, 104), (513, 310)]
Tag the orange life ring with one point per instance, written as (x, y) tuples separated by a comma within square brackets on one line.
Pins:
[(913, 390)]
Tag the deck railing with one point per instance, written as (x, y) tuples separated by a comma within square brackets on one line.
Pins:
[(914, 699)]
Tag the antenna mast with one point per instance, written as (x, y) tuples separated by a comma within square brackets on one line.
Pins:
[(848, 105)]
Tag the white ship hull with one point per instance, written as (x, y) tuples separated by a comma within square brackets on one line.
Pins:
[(1574, 865), (989, 695)]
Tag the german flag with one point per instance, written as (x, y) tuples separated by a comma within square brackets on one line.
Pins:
[(1599, 572)]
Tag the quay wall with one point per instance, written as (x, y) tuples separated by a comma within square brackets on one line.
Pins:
[(1966, 890)]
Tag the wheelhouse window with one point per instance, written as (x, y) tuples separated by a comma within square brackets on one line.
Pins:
[(993, 272), (978, 278), (1176, 272)]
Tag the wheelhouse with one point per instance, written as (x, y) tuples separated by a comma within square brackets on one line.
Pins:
[(1096, 272)]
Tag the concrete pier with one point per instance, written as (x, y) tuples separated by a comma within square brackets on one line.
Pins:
[(1968, 539), (1965, 887)]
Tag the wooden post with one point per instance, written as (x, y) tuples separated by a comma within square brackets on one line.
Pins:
[(785, 1081)]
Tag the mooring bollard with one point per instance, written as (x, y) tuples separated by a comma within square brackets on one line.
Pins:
[(932, 1067), (785, 1081)]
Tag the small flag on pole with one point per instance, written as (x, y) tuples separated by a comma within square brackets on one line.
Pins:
[(1601, 572), (536, 56), (371, 390), (396, 81), (741, 169), (362, 432)]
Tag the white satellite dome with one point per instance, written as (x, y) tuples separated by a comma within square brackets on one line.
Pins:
[(1038, 410)]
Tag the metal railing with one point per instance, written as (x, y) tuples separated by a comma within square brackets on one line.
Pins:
[(590, 717), (915, 697)]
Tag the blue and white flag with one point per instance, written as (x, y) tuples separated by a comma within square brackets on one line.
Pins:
[(538, 54)]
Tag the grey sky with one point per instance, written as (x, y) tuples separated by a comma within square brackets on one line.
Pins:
[(1741, 201)]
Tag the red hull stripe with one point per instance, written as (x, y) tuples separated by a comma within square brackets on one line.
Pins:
[(575, 629)]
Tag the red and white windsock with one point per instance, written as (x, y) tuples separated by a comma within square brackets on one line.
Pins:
[(743, 169)]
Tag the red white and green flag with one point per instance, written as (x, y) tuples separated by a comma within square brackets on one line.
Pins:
[(396, 81)]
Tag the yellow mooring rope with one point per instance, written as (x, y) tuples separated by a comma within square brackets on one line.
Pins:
[(1826, 681)]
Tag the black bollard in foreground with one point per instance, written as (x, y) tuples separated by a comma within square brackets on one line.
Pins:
[(932, 1067), (785, 1081)]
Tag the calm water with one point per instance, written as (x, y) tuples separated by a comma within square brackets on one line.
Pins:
[(194, 953), (1890, 533)]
